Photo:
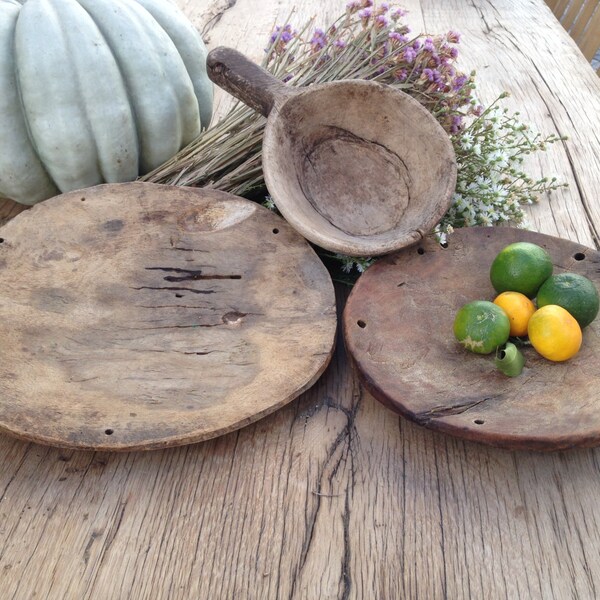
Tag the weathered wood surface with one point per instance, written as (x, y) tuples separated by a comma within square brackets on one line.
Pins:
[(356, 167), (334, 496), (407, 357), (138, 316)]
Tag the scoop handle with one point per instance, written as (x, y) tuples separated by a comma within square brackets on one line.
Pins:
[(245, 80)]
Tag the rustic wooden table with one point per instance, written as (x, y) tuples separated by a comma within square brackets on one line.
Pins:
[(335, 496)]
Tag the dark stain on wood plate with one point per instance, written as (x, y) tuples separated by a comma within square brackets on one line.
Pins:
[(150, 316), (398, 330)]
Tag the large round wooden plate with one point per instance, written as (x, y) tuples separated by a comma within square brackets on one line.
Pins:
[(398, 329), (137, 316)]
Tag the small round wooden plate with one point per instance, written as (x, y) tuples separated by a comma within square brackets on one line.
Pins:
[(398, 329), (138, 316)]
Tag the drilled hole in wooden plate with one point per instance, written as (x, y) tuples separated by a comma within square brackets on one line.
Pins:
[(420, 250), (579, 256), (479, 421), (275, 230), (444, 244), (361, 324), (83, 199), (1, 240), (109, 431)]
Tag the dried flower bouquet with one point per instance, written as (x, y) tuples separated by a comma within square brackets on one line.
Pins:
[(373, 42)]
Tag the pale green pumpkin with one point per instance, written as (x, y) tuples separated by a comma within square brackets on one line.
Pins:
[(95, 91)]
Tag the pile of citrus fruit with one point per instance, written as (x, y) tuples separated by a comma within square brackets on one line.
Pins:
[(550, 310)]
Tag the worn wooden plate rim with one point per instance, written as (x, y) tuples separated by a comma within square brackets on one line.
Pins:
[(175, 216), (470, 418)]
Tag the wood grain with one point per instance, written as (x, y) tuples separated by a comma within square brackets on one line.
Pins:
[(138, 316), (335, 496), (408, 358)]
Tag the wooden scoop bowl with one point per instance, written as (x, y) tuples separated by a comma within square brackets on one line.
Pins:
[(355, 166)]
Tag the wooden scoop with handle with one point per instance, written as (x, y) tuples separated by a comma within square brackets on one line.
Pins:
[(355, 166)]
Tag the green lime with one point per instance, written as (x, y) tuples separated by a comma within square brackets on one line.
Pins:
[(521, 267), (481, 326), (574, 292)]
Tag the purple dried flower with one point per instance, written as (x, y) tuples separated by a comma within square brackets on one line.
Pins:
[(409, 54), (365, 14), (456, 125), (478, 110), (284, 35), (402, 75), (274, 35), (340, 43), (366, 3), (416, 44), (434, 60), (398, 14), (428, 45), (382, 21), (459, 82), (432, 75), (453, 36), (319, 40), (353, 5), (384, 50), (396, 36), (383, 8)]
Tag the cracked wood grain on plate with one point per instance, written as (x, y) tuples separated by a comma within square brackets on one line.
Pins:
[(404, 347), (138, 316)]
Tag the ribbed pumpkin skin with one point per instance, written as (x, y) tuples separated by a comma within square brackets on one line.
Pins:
[(95, 91)]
